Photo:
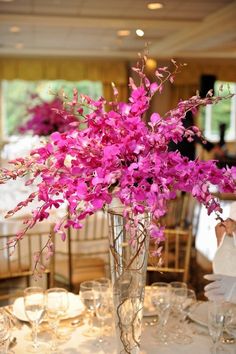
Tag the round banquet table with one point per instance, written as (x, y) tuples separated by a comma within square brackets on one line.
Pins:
[(76, 342)]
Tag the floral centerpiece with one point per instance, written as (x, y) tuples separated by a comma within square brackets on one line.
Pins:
[(44, 117), (114, 153)]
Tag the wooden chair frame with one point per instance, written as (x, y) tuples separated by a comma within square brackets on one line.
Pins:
[(175, 255), (19, 262)]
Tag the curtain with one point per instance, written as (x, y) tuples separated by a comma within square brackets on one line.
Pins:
[(71, 69)]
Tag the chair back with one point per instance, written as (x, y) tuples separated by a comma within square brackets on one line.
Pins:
[(19, 261), (85, 253), (176, 253), (177, 211)]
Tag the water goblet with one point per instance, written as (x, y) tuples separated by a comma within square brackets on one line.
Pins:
[(229, 329), (90, 297), (188, 301), (161, 299), (57, 303), (34, 306), (216, 319), (103, 310), (104, 281), (178, 295)]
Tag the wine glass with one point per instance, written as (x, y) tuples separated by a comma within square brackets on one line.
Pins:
[(161, 299), (90, 297), (4, 332), (189, 303), (34, 304), (229, 329), (178, 295), (216, 319), (107, 283), (104, 281), (186, 301), (57, 303), (103, 310)]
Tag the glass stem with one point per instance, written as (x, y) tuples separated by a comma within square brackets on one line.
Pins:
[(214, 348), (54, 336), (101, 330), (90, 320), (35, 334)]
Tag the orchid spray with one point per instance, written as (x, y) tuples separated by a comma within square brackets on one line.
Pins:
[(111, 151), (44, 117)]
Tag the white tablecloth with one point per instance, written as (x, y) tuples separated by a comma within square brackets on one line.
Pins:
[(80, 344)]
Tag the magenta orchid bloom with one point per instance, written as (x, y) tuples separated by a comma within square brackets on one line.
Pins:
[(115, 153), (45, 117)]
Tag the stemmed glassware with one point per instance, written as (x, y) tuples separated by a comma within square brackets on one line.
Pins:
[(185, 300), (161, 299), (103, 310), (178, 296), (57, 303), (34, 303), (89, 295), (216, 319), (230, 320), (189, 303)]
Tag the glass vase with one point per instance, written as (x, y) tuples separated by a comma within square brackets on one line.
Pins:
[(129, 243)]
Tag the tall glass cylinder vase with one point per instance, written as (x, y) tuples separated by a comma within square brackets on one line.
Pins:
[(129, 242)]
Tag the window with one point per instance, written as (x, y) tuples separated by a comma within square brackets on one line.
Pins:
[(224, 112), (15, 97)]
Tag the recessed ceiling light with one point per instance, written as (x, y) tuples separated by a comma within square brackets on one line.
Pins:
[(123, 33), (14, 29), (154, 6), (140, 32), (19, 45)]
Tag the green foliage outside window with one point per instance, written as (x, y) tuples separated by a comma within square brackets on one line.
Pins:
[(16, 97), (221, 112)]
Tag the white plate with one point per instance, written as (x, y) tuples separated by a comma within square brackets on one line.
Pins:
[(199, 313), (75, 307)]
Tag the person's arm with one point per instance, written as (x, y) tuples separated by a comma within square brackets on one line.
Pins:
[(219, 232), (227, 227)]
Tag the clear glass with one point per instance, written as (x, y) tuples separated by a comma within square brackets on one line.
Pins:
[(178, 294), (161, 299), (188, 298), (89, 295), (104, 281), (216, 319), (34, 303), (229, 330), (129, 249), (57, 303), (103, 310)]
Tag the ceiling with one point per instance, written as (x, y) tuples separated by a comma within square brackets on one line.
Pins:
[(88, 28)]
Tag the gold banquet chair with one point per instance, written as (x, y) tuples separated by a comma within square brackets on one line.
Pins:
[(175, 256), (84, 255), (178, 211), (17, 266)]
